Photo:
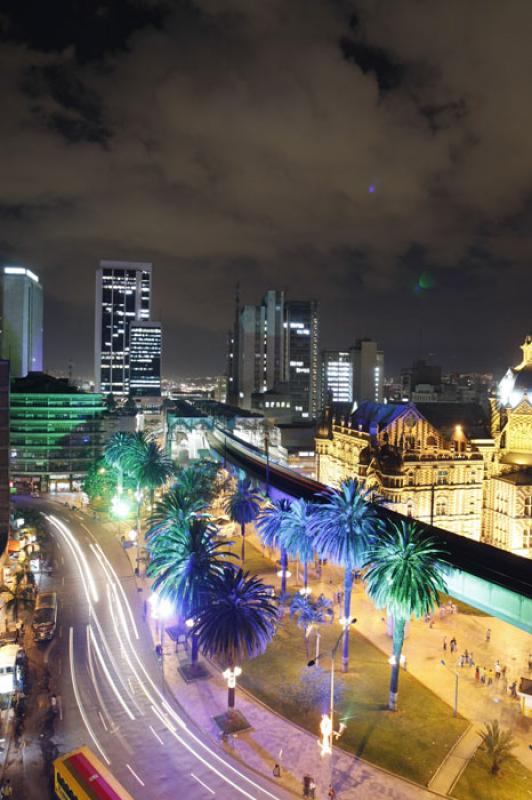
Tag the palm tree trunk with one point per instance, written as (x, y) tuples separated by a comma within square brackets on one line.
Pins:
[(120, 481), (348, 585), (284, 567), (243, 532), (305, 575), (398, 639)]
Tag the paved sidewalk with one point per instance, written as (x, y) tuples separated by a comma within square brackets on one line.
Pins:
[(450, 770)]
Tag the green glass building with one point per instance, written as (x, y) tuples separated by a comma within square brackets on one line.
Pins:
[(55, 433)]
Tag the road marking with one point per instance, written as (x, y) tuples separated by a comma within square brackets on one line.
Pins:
[(135, 775), (102, 720), (78, 700), (63, 580), (63, 561), (156, 735), (131, 685), (203, 784)]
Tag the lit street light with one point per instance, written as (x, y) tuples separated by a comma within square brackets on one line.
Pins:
[(230, 675)]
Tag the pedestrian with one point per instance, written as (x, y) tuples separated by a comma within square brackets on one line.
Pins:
[(488, 635), (466, 656), (490, 677), (444, 644), (477, 673), (144, 610), (277, 771), (498, 669), (471, 662), (513, 690), (332, 792), (483, 675), (503, 671)]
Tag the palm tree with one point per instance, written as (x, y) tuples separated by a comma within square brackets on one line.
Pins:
[(343, 527), (311, 614), (298, 536), (185, 558), (239, 620), (405, 574), (270, 524), (19, 594), (174, 509), (149, 464), (497, 743), (117, 454), (243, 506)]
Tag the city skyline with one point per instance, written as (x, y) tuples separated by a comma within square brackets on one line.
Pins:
[(346, 155)]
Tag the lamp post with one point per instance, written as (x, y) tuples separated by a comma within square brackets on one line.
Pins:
[(267, 451), (161, 610), (456, 679), (328, 734), (230, 675)]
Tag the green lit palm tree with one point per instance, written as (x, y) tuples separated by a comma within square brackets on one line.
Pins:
[(185, 558), (270, 524), (405, 574), (311, 614), (243, 506), (118, 453), (19, 594), (343, 527), (298, 534), (175, 509), (239, 620)]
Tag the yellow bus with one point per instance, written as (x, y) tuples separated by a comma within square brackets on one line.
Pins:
[(80, 775)]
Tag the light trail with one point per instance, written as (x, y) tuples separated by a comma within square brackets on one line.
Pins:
[(203, 784), (78, 699), (156, 735), (135, 775), (107, 674), (118, 582)]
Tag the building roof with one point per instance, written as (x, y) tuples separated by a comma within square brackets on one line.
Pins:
[(523, 478), (445, 416), (41, 383), (369, 414)]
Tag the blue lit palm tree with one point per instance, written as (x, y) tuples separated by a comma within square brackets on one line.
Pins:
[(298, 534), (405, 574), (344, 526), (185, 559), (239, 620), (311, 614), (271, 523), (243, 506)]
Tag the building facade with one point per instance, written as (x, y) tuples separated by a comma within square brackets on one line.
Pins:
[(4, 456), (336, 377), (301, 356), (55, 433), (145, 352), (455, 465), (368, 371), (22, 320), (123, 296)]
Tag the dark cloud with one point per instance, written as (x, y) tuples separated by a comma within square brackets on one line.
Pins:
[(335, 149)]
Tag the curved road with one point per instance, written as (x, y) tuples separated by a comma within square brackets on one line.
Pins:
[(108, 680)]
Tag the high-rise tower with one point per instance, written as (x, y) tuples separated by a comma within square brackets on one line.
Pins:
[(22, 321), (123, 296)]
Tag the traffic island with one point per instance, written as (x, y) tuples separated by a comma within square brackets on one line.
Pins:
[(232, 722), (193, 672)]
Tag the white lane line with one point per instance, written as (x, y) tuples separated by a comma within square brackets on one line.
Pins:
[(201, 782), (135, 775), (156, 735), (131, 685), (78, 699), (102, 720)]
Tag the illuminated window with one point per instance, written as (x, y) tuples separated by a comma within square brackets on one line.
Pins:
[(528, 506)]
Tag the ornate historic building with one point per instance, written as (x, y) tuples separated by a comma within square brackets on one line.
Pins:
[(454, 465)]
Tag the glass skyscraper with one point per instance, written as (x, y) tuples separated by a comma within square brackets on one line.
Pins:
[(22, 321), (123, 296), (145, 345)]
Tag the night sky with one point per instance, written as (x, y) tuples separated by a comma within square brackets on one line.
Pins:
[(374, 155)]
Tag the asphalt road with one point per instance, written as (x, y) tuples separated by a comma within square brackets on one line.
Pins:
[(102, 666)]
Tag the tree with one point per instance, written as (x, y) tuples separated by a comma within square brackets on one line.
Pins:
[(149, 465), (20, 594), (243, 506), (343, 527), (298, 534), (497, 743), (100, 483), (175, 509), (405, 575), (239, 620), (118, 452), (185, 558), (199, 481), (270, 524), (311, 614)]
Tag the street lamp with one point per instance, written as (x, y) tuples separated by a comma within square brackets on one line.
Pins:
[(456, 679), (161, 609), (230, 675)]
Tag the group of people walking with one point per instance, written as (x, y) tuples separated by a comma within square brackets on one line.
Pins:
[(495, 674)]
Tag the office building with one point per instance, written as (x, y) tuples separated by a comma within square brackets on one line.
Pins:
[(123, 296), (368, 372), (145, 348), (301, 356), (336, 379), (22, 320), (4, 457), (55, 431)]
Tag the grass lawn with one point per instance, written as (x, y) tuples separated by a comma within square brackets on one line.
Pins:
[(411, 742), (514, 781)]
